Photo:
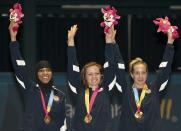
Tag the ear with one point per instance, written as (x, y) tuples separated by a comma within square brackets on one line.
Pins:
[(10, 10), (102, 10), (117, 17), (114, 9)]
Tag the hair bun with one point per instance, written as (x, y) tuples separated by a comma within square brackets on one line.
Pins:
[(134, 61), (138, 59)]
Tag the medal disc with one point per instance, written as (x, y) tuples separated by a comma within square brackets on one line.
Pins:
[(139, 115), (88, 118), (47, 119)]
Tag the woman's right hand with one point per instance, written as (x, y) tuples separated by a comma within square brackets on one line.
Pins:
[(169, 35), (11, 32), (71, 35), (110, 36)]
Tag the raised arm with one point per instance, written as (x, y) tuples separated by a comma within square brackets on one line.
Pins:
[(74, 77), (109, 70), (18, 62), (117, 61), (165, 66), (120, 69)]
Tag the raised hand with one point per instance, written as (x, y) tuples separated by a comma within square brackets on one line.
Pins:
[(12, 33), (110, 36), (169, 35), (71, 35)]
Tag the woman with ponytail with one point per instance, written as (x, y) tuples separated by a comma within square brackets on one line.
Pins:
[(141, 101)]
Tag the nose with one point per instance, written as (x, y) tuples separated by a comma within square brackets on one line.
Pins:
[(95, 75), (140, 75), (45, 72)]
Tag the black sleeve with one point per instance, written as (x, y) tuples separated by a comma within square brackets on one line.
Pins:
[(164, 68), (19, 65), (62, 115), (74, 77), (120, 69), (109, 71)]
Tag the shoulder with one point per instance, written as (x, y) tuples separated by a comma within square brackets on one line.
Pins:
[(58, 91)]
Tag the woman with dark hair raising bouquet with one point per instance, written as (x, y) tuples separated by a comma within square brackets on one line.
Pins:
[(44, 103)]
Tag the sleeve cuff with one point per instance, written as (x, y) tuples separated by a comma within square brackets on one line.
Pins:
[(170, 45), (14, 44)]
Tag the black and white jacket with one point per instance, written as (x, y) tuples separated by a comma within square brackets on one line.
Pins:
[(34, 113), (151, 104), (101, 108)]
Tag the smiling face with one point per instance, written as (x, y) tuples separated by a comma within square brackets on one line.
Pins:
[(44, 75), (93, 76), (139, 75)]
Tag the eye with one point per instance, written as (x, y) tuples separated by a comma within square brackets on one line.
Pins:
[(135, 72), (111, 16), (89, 74), (98, 73), (144, 72), (12, 15), (40, 71)]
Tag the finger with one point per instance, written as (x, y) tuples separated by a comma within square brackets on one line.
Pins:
[(113, 27), (115, 32), (110, 31), (75, 27), (11, 25)]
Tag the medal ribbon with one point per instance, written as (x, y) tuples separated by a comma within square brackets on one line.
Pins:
[(139, 101), (93, 97), (50, 102)]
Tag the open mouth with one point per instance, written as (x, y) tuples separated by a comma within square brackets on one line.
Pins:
[(107, 20), (45, 77)]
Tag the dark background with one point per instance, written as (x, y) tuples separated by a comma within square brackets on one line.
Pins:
[(43, 35)]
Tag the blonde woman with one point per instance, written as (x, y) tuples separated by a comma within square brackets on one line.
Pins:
[(141, 102)]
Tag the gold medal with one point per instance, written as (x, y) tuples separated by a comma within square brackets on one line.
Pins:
[(47, 119), (88, 119), (138, 115)]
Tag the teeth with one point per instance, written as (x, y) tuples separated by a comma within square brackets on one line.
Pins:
[(94, 81), (45, 77)]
